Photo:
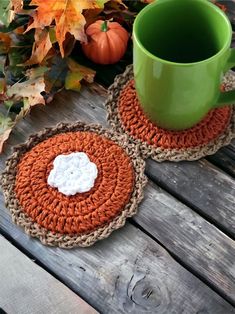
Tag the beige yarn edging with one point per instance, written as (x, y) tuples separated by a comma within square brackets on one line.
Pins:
[(157, 153), (69, 241)]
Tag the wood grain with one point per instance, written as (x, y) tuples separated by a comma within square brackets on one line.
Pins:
[(198, 244), (89, 107), (225, 159), (126, 273), (201, 186), (27, 288)]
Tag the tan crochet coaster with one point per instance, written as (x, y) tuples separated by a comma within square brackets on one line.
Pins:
[(83, 218), (126, 116)]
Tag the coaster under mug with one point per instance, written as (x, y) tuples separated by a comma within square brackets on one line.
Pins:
[(126, 116)]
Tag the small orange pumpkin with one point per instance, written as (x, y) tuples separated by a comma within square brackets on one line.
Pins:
[(107, 42)]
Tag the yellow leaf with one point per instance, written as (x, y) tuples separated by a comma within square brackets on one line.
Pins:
[(87, 73), (72, 81), (76, 74), (67, 15), (52, 35)]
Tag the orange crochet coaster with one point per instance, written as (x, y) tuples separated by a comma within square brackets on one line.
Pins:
[(83, 218), (126, 116)]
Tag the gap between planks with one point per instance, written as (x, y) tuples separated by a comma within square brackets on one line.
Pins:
[(126, 273), (27, 288), (72, 106)]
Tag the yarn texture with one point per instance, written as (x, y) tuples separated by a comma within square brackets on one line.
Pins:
[(81, 219), (125, 115), (73, 173)]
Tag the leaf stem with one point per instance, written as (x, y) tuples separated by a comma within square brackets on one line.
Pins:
[(104, 26)]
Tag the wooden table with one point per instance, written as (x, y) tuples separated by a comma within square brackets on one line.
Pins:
[(177, 255)]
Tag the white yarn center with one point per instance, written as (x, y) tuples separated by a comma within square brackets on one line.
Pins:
[(73, 173)]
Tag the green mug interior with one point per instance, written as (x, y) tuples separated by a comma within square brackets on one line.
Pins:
[(182, 31)]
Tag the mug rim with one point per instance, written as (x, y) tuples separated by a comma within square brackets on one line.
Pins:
[(205, 2)]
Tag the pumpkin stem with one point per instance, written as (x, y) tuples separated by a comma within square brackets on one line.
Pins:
[(104, 26)]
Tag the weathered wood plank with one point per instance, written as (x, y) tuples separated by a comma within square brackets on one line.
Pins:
[(232, 145), (189, 237), (88, 107), (126, 273), (27, 288), (225, 159), (201, 186)]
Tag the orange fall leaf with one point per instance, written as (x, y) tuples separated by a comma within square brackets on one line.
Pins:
[(67, 15), (41, 46)]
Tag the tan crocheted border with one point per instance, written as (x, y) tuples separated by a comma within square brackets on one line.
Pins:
[(62, 240), (158, 153)]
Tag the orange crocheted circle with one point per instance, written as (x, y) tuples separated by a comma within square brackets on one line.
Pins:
[(83, 212), (135, 122)]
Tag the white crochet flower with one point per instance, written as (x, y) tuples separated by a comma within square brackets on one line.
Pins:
[(73, 173)]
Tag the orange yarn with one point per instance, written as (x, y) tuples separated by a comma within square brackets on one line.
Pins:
[(81, 213), (140, 127)]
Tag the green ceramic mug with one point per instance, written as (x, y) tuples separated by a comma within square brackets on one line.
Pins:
[(181, 51)]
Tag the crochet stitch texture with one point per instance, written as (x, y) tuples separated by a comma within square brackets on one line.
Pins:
[(140, 127), (126, 116), (72, 173), (82, 219), (83, 212)]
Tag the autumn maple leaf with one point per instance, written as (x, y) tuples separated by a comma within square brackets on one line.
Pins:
[(29, 90), (76, 74), (41, 46), (67, 15)]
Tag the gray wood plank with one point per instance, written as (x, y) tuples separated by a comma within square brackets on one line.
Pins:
[(194, 241), (27, 288), (200, 185), (88, 107), (126, 273), (225, 159)]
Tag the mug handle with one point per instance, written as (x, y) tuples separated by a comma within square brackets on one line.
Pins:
[(227, 98)]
